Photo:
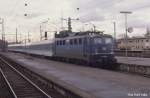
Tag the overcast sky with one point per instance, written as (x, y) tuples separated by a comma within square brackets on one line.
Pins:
[(102, 13)]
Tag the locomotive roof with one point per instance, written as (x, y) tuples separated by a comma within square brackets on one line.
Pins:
[(64, 34), (70, 35), (42, 42), (33, 43)]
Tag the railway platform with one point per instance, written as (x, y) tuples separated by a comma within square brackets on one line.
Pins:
[(134, 60), (137, 65), (86, 81)]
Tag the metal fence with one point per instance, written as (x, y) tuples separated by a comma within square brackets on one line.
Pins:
[(144, 53)]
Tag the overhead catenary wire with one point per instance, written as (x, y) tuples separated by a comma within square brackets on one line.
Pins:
[(13, 10)]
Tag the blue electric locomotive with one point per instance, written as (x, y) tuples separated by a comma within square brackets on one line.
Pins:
[(90, 47)]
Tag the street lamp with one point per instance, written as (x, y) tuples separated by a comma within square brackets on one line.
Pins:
[(126, 28)]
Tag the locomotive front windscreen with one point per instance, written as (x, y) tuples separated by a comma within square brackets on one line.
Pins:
[(102, 45), (98, 40), (108, 40), (103, 40)]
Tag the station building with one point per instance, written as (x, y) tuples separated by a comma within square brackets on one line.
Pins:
[(135, 43)]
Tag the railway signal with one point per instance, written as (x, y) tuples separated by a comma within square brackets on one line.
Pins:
[(26, 4)]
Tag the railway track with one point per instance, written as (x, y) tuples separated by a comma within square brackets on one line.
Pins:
[(17, 85), (41, 85), (5, 90)]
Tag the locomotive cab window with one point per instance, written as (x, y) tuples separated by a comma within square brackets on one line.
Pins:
[(108, 40), (97, 40), (80, 40)]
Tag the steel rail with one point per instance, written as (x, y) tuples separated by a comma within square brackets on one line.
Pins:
[(26, 78), (11, 89)]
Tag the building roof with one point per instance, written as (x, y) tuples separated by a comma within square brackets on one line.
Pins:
[(135, 38)]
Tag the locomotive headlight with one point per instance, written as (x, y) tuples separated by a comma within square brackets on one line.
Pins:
[(112, 52)]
